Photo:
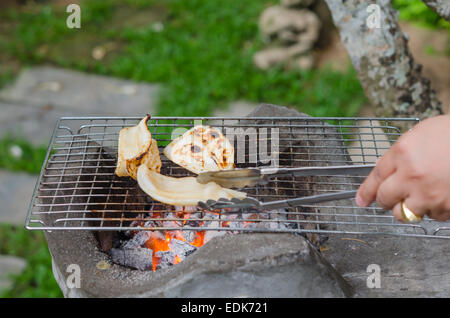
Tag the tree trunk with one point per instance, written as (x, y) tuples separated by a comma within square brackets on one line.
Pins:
[(391, 79), (441, 7)]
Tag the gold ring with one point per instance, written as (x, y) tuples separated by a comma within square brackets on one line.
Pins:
[(408, 215)]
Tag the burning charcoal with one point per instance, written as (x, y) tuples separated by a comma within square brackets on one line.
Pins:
[(235, 225), (188, 236), (178, 251), (138, 221), (181, 248), (188, 213), (180, 235), (138, 258), (151, 224), (280, 215), (171, 224), (166, 259), (137, 240), (278, 222), (271, 225), (209, 218), (195, 219), (185, 209), (176, 219)]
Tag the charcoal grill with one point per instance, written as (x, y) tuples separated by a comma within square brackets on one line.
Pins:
[(77, 188)]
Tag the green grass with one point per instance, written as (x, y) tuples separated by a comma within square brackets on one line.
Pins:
[(6, 77), (37, 279), (203, 55), (30, 160), (417, 12)]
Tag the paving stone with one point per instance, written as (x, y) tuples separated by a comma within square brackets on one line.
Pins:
[(16, 190), (33, 123), (9, 265), (82, 93), (31, 106), (409, 267)]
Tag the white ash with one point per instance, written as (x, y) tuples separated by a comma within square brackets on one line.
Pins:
[(137, 258), (171, 223), (260, 220), (185, 209), (181, 248), (181, 241), (178, 249), (137, 221), (138, 240), (166, 259), (189, 236)]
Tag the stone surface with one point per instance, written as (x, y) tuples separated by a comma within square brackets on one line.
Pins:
[(41, 95), (9, 265), (33, 123), (15, 195), (83, 93), (256, 265), (410, 267)]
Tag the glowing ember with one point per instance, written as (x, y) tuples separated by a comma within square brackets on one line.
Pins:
[(161, 241), (170, 247)]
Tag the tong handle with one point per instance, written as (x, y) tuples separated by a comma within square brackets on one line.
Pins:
[(240, 178), (319, 198), (348, 170)]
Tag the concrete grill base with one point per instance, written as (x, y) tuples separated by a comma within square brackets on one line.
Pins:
[(255, 265)]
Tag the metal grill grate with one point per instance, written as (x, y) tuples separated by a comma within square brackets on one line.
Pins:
[(77, 188)]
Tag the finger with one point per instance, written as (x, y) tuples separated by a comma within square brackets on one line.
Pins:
[(391, 191), (439, 215), (397, 212), (415, 205), (368, 190)]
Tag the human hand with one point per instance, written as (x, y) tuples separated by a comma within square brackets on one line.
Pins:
[(417, 169)]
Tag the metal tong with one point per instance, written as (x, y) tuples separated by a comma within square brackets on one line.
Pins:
[(240, 178)]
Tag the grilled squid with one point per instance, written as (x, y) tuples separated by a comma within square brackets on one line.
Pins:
[(136, 148), (201, 149), (181, 191)]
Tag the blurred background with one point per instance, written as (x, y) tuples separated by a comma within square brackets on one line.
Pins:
[(166, 57)]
